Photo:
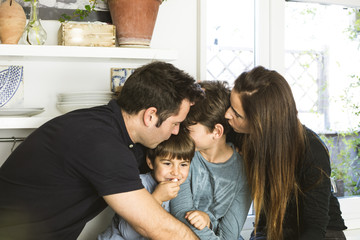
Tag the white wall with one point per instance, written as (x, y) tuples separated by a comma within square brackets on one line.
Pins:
[(176, 28)]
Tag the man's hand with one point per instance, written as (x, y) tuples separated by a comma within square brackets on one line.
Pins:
[(198, 219), (166, 191), (147, 217)]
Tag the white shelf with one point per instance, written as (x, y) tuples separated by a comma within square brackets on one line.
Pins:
[(22, 122), (20, 53), (55, 51)]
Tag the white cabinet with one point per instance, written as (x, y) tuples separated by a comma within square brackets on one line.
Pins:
[(50, 70)]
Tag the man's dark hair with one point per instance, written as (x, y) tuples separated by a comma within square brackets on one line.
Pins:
[(160, 85)]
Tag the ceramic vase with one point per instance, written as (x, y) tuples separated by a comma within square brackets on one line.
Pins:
[(12, 22), (134, 21), (34, 33)]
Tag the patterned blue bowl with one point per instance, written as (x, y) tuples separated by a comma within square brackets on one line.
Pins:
[(11, 78)]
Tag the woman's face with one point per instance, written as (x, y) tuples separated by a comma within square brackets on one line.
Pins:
[(236, 115)]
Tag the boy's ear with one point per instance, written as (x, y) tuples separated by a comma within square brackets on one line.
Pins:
[(149, 163), (150, 117), (218, 130)]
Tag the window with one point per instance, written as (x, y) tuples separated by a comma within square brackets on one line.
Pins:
[(322, 52), (315, 44), (322, 55), (229, 39)]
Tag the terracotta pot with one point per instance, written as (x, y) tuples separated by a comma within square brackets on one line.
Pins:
[(12, 22), (134, 20)]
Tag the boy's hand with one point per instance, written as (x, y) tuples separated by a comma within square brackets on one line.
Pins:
[(166, 191), (198, 219)]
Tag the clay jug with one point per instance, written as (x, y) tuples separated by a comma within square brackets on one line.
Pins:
[(134, 20), (12, 22)]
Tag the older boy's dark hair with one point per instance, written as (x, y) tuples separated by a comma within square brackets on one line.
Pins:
[(160, 85), (212, 109), (179, 146)]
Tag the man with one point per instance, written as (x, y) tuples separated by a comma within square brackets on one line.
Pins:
[(69, 169)]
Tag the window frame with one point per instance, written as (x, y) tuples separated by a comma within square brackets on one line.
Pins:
[(346, 3), (269, 39)]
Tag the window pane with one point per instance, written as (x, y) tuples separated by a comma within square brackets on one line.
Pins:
[(322, 66), (322, 60), (230, 39)]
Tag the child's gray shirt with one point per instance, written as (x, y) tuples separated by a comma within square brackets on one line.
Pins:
[(220, 190)]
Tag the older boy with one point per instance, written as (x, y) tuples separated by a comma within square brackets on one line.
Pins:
[(215, 199)]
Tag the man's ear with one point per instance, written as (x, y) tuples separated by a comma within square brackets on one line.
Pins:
[(150, 117), (218, 131), (149, 163)]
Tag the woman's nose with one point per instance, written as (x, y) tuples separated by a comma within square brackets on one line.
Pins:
[(228, 114), (176, 130)]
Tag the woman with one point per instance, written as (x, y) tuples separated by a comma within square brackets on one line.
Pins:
[(287, 164)]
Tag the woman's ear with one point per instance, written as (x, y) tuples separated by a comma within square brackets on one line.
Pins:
[(218, 131), (149, 163), (150, 117)]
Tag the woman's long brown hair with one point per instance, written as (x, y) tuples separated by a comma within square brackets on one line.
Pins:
[(273, 148)]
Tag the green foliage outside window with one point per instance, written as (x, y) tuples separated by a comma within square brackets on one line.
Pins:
[(354, 29), (345, 146)]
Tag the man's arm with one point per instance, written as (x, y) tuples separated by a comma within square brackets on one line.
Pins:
[(147, 217)]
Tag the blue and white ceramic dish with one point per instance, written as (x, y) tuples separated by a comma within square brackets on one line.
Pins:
[(118, 77), (11, 86)]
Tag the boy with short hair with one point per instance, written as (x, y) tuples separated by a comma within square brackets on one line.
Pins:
[(215, 199), (170, 164)]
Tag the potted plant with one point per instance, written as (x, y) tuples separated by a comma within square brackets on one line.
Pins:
[(134, 19)]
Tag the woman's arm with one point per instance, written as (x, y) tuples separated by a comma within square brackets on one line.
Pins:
[(317, 189)]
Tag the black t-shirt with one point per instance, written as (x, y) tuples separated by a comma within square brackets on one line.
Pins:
[(53, 183)]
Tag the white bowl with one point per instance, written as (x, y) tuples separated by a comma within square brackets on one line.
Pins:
[(95, 93), (65, 107), (84, 99)]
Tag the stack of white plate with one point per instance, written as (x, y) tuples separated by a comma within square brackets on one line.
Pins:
[(76, 100)]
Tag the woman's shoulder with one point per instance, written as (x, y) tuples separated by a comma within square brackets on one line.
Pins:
[(317, 153), (314, 143)]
